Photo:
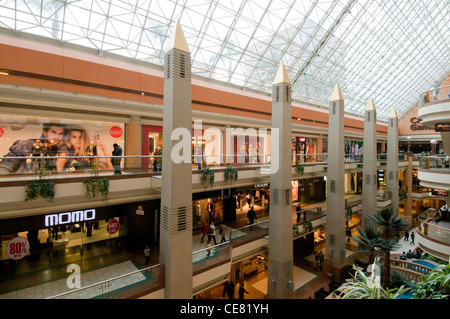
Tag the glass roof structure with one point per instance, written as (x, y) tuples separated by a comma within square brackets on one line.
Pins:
[(390, 50)]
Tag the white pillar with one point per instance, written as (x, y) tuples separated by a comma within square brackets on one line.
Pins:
[(176, 193), (335, 227), (280, 271), (369, 182)]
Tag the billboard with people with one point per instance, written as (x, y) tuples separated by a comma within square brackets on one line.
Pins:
[(28, 144)]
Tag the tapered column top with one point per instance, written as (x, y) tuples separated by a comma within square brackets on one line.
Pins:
[(370, 106), (336, 95), (393, 114), (282, 76), (178, 41)]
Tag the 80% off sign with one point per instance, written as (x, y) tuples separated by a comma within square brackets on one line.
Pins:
[(18, 248)]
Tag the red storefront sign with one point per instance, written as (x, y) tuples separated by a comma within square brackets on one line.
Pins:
[(113, 226), (18, 248), (115, 131)]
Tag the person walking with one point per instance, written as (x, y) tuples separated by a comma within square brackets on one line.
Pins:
[(205, 230), (412, 238), (223, 232), (251, 215), (242, 291), (212, 233), (406, 236), (147, 255), (298, 209)]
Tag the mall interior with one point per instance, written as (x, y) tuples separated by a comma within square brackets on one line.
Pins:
[(165, 151)]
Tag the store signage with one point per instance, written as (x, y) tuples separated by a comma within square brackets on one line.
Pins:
[(139, 211), (416, 124), (115, 131), (294, 190), (1, 132), (438, 127), (301, 139), (18, 248), (113, 226), (69, 217), (260, 185)]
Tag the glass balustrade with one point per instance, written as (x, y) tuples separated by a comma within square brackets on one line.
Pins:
[(432, 226), (435, 94), (120, 287)]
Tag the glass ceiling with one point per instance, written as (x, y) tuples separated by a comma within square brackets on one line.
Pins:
[(390, 50)]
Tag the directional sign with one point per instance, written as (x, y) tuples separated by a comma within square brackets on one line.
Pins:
[(18, 248)]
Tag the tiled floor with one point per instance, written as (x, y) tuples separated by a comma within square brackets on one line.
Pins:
[(54, 288)]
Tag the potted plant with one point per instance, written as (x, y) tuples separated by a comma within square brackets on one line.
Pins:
[(207, 178), (44, 189), (300, 168), (96, 185), (230, 174)]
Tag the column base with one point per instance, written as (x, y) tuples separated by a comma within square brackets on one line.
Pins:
[(335, 272)]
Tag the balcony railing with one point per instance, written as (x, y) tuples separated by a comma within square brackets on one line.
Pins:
[(120, 287), (434, 162), (436, 94), (439, 232), (71, 166)]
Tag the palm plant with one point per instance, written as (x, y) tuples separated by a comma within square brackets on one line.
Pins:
[(369, 238), (368, 287), (390, 224)]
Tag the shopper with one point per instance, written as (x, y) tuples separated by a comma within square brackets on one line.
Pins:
[(212, 233), (205, 230), (223, 232), (298, 209), (116, 153), (406, 235), (251, 215), (147, 255), (242, 291), (412, 238)]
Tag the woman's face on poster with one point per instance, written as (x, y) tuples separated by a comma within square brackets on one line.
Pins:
[(75, 139)]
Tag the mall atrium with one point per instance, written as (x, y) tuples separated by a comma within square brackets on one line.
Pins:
[(162, 149)]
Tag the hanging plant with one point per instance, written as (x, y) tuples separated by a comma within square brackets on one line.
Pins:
[(348, 212), (97, 185), (300, 168), (207, 178), (231, 174), (307, 226), (42, 189)]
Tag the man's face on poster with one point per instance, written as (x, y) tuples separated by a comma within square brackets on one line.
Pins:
[(55, 133)]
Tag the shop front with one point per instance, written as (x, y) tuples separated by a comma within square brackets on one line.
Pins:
[(60, 238), (256, 196), (208, 207)]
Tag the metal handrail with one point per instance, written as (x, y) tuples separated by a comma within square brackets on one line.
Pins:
[(107, 281)]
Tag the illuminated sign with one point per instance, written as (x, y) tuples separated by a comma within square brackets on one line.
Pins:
[(442, 127), (69, 217)]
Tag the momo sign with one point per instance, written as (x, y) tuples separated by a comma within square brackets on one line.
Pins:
[(69, 217)]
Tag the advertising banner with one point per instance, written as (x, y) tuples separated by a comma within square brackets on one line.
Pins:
[(38, 138)]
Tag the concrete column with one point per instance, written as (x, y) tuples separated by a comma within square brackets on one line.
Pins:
[(392, 160), (280, 270), (176, 193), (408, 177), (133, 135), (369, 182), (335, 227)]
